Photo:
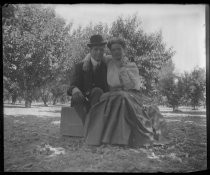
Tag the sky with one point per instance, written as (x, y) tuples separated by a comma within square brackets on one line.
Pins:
[(182, 26)]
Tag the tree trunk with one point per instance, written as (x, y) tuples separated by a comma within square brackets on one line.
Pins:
[(27, 103), (175, 108), (28, 99), (54, 101), (63, 101), (45, 99), (45, 103), (14, 99)]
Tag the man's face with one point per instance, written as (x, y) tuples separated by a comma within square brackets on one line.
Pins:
[(97, 52)]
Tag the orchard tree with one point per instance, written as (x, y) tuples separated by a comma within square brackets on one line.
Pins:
[(57, 91), (166, 71), (34, 48), (81, 36), (58, 88), (147, 50), (186, 79), (8, 13), (172, 87), (197, 87), (11, 89), (45, 94)]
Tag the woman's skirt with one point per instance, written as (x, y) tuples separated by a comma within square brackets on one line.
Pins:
[(121, 118)]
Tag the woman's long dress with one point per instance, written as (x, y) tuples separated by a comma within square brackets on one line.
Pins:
[(121, 117)]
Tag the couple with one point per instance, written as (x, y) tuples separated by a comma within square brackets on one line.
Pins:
[(107, 89)]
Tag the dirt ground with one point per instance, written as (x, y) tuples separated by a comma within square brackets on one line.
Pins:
[(32, 142)]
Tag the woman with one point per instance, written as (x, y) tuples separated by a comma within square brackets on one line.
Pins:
[(120, 116)]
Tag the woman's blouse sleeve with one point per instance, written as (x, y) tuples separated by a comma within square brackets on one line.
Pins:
[(130, 77)]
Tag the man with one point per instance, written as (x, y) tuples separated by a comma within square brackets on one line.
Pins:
[(88, 85)]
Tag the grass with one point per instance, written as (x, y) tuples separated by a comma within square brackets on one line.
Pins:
[(32, 142)]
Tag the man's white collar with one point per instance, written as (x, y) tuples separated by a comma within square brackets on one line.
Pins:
[(94, 62)]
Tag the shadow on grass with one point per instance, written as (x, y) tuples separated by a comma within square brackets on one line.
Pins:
[(55, 111), (22, 106), (33, 105), (28, 117), (186, 112), (13, 106), (50, 105), (38, 124)]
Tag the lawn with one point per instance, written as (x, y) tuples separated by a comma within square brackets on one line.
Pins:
[(32, 142)]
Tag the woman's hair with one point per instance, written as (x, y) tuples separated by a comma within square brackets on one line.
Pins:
[(116, 41)]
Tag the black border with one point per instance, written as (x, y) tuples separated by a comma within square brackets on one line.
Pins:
[(207, 84), (111, 2)]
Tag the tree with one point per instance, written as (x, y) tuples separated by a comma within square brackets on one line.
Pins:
[(45, 94), (147, 50), (186, 88), (39, 50), (172, 87), (166, 71), (11, 89), (81, 36), (58, 88), (196, 87), (34, 48), (8, 13)]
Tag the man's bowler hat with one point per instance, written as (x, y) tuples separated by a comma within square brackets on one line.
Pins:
[(96, 40)]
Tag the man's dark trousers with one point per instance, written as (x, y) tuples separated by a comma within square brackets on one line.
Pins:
[(83, 105)]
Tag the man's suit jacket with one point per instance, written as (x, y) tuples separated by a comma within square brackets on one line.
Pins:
[(86, 80)]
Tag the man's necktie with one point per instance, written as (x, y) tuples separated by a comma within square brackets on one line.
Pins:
[(96, 67)]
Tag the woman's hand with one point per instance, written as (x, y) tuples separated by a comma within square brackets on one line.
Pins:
[(125, 61), (125, 79), (130, 78), (106, 58)]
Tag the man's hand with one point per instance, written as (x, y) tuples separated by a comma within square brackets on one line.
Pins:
[(70, 91), (74, 90), (77, 96)]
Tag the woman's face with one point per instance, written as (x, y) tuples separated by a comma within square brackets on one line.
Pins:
[(117, 51)]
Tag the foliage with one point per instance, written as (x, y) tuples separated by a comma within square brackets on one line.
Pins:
[(39, 50), (81, 36), (35, 48), (147, 50), (171, 86), (8, 13), (165, 71), (188, 90), (58, 89), (11, 90), (195, 86)]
